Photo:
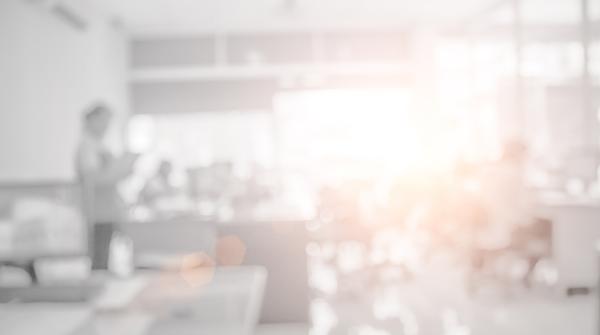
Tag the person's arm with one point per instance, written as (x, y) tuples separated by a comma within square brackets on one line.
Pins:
[(94, 173), (119, 169)]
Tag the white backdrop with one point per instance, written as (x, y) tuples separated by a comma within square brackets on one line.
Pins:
[(49, 73)]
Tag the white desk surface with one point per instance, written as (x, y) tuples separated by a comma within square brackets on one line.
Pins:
[(224, 301)]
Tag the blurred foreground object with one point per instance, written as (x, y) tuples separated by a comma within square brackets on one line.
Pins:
[(227, 302)]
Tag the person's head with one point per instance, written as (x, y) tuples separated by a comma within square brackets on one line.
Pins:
[(165, 168), (97, 120)]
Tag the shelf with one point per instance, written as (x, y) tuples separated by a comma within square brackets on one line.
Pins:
[(182, 74)]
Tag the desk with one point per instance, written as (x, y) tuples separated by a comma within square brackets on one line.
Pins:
[(207, 301), (178, 236), (575, 232), (27, 260)]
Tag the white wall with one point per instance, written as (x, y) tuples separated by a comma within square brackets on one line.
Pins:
[(49, 73)]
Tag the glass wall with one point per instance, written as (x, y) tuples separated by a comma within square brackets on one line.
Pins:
[(476, 83), (528, 70)]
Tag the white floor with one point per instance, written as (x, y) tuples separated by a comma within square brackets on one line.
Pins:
[(560, 317), (436, 302), (283, 329)]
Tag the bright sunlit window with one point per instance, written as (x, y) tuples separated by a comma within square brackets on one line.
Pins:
[(201, 139), (336, 134)]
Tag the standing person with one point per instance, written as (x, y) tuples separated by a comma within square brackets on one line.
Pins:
[(100, 173), (507, 198), (507, 206)]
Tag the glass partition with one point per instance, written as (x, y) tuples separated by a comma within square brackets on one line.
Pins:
[(530, 69)]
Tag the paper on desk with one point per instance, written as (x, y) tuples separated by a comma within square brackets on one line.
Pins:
[(118, 294), (61, 271)]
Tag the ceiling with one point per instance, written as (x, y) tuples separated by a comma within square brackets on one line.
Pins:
[(179, 16)]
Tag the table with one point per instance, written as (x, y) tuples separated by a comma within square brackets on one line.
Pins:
[(575, 232), (225, 300), (26, 260)]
